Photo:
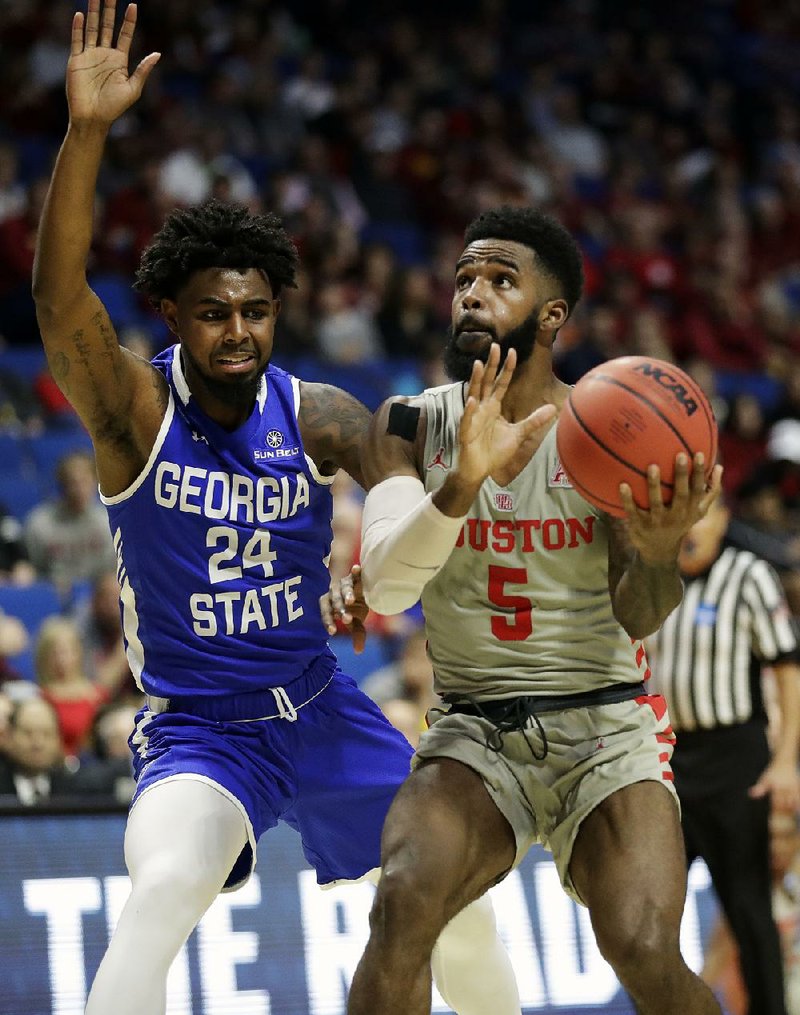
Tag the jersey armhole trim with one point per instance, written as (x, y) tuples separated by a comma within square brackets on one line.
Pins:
[(312, 465), (157, 444)]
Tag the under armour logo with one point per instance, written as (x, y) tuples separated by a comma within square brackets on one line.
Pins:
[(199, 437), (438, 461)]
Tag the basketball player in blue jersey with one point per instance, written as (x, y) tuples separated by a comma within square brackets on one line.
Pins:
[(535, 603), (216, 468)]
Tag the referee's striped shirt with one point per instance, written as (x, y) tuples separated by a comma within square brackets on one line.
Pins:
[(708, 654)]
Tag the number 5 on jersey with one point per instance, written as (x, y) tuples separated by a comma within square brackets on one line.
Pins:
[(503, 627)]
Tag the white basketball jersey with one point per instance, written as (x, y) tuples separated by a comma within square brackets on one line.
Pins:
[(522, 604)]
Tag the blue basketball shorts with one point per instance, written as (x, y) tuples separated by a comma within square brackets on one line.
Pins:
[(331, 774)]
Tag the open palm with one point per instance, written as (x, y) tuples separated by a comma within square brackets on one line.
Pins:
[(99, 87), (488, 443)]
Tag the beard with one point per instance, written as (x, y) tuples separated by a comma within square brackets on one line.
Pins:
[(458, 364), (236, 392)]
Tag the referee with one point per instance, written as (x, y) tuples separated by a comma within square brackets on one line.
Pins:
[(707, 662)]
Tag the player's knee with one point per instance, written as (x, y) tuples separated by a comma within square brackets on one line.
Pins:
[(408, 906), (163, 885), (639, 947)]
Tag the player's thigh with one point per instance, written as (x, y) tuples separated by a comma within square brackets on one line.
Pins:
[(444, 826), (184, 827), (629, 858)]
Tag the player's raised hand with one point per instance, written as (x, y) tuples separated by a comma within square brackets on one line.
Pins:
[(489, 443), (99, 87), (657, 531), (344, 601)]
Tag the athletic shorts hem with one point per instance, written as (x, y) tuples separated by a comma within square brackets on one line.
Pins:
[(196, 777), (371, 876), (580, 817), (497, 797)]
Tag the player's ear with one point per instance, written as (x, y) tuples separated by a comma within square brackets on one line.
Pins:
[(169, 311), (553, 314)]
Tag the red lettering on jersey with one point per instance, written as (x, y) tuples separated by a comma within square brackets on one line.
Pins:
[(554, 534), (478, 529), (503, 537), (576, 529), (527, 525)]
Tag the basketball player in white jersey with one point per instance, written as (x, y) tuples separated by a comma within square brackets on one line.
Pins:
[(535, 603), (221, 547)]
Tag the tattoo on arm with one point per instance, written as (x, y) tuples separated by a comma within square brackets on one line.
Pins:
[(333, 424), (60, 367)]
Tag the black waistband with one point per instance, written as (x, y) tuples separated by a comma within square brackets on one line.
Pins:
[(499, 709)]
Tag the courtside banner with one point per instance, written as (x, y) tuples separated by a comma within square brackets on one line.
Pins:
[(278, 946)]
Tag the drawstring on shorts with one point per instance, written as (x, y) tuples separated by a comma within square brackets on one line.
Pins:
[(509, 715), (514, 718), (286, 709)]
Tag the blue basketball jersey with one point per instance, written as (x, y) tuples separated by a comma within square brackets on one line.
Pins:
[(222, 545)]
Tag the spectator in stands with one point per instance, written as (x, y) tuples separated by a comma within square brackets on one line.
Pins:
[(64, 683), (13, 640), (17, 241), (409, 678), (19, 409), (6, 708), (68, 539), (347, 331), (404, 716), (12, 191), (97, 619), (779, 471), (15, 567), (742, 441), (106, 768), (407, 320), (33, 769)]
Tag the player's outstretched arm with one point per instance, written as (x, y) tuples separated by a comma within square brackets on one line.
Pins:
[(99, 379), (643, 577)]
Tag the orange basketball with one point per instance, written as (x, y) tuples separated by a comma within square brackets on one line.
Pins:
[(625, 415)]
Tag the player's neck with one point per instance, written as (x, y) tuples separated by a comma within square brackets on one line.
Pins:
[(534, 384)]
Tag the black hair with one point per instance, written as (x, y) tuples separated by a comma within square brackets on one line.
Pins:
[(554, 247), (215, 235)]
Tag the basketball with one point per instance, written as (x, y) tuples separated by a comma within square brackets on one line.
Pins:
[(625, 415)]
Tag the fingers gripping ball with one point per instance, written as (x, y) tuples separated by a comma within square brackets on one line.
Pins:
[(625, 415)]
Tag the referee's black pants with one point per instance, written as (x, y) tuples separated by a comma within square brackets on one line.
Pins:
[(730, 831)]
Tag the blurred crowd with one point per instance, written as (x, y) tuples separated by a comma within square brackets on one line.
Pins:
[(665, 136)]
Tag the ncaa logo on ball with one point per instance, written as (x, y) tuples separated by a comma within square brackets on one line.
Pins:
[(670, 383)]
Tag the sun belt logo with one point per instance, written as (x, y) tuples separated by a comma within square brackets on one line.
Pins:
[(275, 449), (438, 461), (559, 478)]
